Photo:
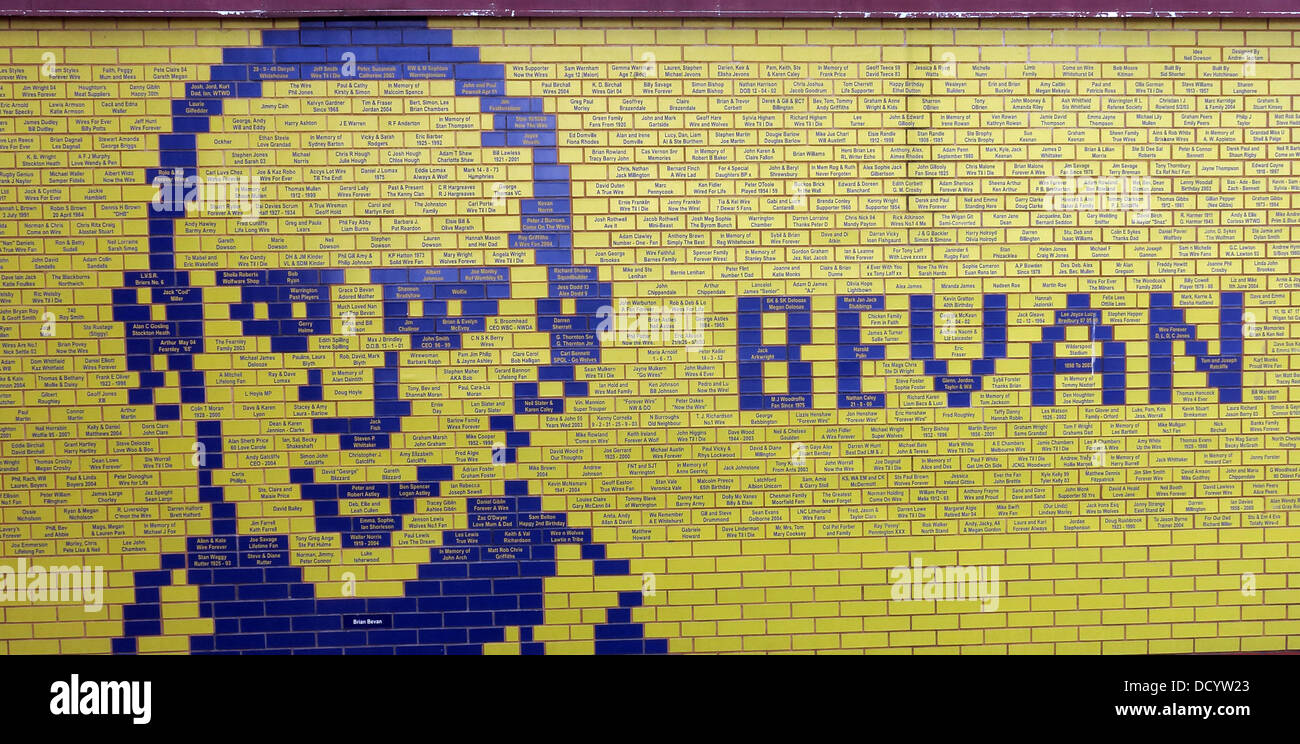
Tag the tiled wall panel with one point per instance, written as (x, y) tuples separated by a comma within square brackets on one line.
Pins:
[(654, 336)]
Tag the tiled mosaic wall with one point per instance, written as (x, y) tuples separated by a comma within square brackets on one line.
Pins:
[(480, 336)]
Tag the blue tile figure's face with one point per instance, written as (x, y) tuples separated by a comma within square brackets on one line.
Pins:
[(338, 224)]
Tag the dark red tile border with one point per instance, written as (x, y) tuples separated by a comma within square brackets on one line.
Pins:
[(643, 8)]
